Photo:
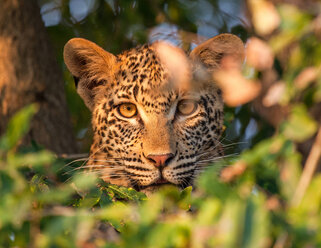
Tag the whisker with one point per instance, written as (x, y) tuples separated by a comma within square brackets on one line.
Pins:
[(86, 159), (72, 162), (90, 167), (72, 156), (81, 159), (233, 144), (215, 159)]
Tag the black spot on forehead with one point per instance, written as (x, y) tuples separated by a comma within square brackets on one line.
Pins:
[(142, 63), (135, 92), (141, 73)]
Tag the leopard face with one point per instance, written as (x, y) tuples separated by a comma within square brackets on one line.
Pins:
[(155, 120)]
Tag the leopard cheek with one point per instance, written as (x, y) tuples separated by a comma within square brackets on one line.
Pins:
[(137, 77)]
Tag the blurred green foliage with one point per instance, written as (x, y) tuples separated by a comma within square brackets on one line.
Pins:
[(50, 202), (40, 208)]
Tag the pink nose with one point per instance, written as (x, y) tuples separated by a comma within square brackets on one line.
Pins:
[(160, 160)]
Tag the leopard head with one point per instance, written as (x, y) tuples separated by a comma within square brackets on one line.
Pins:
[(157, 116)]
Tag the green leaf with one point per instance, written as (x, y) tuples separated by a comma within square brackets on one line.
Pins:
[(90, 200), (185, 198), (209, 211), (126, 193), (299, 126), (31, 159), (116, 214), (105, 199), (37, 184), (18, 126), (256, 223), (84, 181)]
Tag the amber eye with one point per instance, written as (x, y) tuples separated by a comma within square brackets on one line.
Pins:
[(187, 107), (127, 110)]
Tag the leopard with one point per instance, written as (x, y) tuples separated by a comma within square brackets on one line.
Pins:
[(157, 113)]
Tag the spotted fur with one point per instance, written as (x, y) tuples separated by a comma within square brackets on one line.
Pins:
[(142, 76)]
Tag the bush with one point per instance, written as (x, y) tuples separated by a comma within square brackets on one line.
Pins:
[(263, 199)]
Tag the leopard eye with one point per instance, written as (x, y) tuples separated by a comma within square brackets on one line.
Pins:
[(187, 107), (127, 110)]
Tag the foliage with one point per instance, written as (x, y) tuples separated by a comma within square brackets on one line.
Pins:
[(46, 202)]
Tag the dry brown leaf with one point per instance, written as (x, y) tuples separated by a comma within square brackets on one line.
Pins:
[(259, 54), (177, 64), (273, 203), (230, 173), (236, 88), (274, 94), (305, 77)]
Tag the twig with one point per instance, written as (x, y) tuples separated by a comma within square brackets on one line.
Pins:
[(308, 171), (72, 156)]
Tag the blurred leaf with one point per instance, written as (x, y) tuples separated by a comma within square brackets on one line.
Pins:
[(17, 127), (265, 17), (31, 159), (294, 25), (84, 181), (185, 198), (256, 224), (46, 204), (300, 126), (151, 208), (209, 211), (290, 174)]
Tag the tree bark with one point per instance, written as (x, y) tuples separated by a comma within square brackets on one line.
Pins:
[(29, 73)]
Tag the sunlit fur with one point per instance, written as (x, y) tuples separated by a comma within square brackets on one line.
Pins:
[(121, 145)]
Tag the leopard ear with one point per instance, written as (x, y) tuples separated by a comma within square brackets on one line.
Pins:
[(211, 52), (90, 65)]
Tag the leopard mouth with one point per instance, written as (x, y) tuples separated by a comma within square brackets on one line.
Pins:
[(161, 182)]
